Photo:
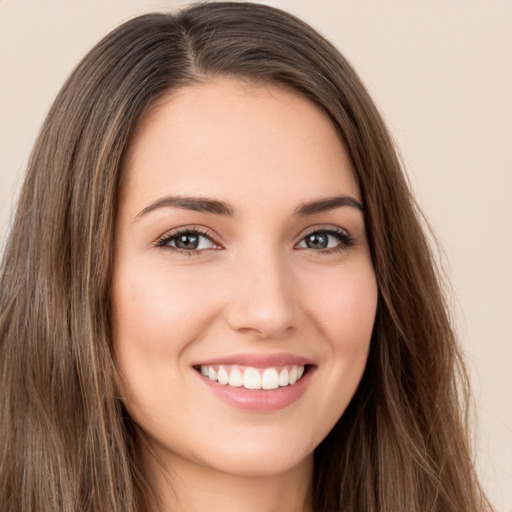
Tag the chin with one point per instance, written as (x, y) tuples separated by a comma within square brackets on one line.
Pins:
[(259, 466), (260, 458)]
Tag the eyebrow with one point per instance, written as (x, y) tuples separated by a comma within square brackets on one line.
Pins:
[(197, 204), (327, 204), (216, 207)]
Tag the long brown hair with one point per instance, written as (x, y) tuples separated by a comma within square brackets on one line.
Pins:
[(67, 443)]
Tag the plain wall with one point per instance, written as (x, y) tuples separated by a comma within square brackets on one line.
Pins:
[(441, 73)]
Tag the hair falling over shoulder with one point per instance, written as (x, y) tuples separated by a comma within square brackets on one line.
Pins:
[(68, 445)]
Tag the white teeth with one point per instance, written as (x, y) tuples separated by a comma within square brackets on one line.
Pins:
[(252, 378), (283, 377), (270, 379), (222, 376), (235, 378)]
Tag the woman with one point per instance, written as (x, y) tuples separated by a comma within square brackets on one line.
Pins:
[(217, 293)]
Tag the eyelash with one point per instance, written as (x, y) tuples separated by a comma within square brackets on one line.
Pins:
[(346, 241), (164, 241)]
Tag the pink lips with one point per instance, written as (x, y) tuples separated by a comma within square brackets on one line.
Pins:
[(258, 399), (258, 360)]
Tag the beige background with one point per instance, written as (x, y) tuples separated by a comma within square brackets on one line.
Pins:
[(440, 71)]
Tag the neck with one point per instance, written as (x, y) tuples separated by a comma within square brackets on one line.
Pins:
[(186, 487)]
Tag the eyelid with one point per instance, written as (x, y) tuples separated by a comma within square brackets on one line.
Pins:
[(347, 241), (161, 241), (323, 227)]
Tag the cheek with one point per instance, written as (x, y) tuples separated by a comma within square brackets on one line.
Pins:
[(344, 316), (156, 316), (345, 309), (157, 311)]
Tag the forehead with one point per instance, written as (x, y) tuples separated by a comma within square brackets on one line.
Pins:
[(236, 141)]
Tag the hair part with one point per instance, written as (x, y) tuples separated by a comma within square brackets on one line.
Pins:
[(69, 445)]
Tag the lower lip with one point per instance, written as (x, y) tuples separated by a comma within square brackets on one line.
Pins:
[(260, 399)]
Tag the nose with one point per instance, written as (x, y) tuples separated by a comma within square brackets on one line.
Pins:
[(261, 299)]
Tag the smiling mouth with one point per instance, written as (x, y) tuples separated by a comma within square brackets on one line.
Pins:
[(253, 378)]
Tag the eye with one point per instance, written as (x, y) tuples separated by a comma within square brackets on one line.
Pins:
[(187, 240), (326, 240)]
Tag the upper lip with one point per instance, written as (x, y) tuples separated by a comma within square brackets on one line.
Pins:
[(257, 360)]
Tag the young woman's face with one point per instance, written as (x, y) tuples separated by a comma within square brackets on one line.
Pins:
[(243, 290)]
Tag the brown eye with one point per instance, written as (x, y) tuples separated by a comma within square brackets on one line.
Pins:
[(187, 241)]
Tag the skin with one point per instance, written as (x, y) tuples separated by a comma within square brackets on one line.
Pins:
[(253, 285)]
